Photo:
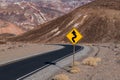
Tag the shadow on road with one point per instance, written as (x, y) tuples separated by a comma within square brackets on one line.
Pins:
[(20, 68), (54, 63)]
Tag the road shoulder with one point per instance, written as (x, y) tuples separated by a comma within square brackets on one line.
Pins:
[(47, 72)]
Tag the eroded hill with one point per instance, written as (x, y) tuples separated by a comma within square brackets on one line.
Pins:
[(9, 28), (98, 21)]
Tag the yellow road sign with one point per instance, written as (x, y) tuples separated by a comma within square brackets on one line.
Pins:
[(74, 36)]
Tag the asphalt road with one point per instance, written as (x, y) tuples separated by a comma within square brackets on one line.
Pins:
[(18, 69)]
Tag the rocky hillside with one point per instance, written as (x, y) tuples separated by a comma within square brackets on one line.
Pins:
[(9, 28), (98, 21), (109, 4), (24, 14), (28, 14)]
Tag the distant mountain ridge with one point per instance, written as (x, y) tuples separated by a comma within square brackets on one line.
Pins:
[(98, 21), (28, 14)]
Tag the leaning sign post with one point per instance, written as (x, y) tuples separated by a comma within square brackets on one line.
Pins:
[(74, 36)]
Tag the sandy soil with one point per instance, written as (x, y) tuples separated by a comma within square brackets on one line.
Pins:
[(6, 27), (15, 51), (107, 69)]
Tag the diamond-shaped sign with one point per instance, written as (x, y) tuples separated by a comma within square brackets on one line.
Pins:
[(74, 36)]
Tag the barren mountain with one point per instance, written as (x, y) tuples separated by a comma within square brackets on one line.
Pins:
[(98, 21), (28, 14), (9, 28), (24, 14), (62, 5)]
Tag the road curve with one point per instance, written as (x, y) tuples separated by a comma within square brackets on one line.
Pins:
[(18, 69)]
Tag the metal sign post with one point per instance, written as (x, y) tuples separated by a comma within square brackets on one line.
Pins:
[(73, 54), (74, 36)]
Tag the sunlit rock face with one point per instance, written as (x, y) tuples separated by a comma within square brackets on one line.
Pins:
[(28, 14)]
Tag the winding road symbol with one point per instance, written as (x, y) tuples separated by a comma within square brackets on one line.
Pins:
[(74, 36)]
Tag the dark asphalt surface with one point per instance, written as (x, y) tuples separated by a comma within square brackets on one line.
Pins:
[(18, 69)]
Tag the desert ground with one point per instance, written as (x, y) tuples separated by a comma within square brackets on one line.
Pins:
[(107, 69), (10, 52)]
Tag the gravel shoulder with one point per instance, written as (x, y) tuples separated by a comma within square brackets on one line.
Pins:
[(107, 69), (51, 70), (16, 51)]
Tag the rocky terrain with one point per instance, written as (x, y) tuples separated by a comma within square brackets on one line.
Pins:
[(8, 29), (107, 69), (16, 51), (27, 14), (24, 14), (98, 21)]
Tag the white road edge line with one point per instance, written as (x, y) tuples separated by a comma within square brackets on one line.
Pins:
[(23, 58), (44, 66), (32, 72)]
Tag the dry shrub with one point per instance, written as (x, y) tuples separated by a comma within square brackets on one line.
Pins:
[(76, 63), (60, 77), (75, 69), (91, 61), (98, 59)]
